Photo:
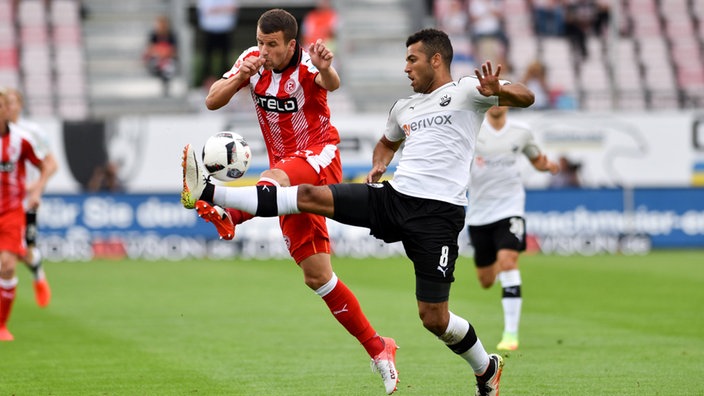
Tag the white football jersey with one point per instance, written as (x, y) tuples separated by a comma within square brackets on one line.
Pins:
[(440, 129), (496, 189)]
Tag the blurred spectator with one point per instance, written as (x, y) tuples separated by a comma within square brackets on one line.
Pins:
[(548, 17), (217, 20), (320, 23), (486, 25), (579, 19), (568, 176), (602, 17), (161, 53), (105, 179), (451, 16), (535, 78)]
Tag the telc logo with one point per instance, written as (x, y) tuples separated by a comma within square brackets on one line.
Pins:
[(270, 103)]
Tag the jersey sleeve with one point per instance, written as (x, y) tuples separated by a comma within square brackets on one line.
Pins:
[(481, 103), (251, 51), (530, 147), (30, 153), (393, 131)]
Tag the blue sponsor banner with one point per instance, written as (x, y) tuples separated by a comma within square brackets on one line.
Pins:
[(673, 217), (156, 226), (110, 214), (668, 217)]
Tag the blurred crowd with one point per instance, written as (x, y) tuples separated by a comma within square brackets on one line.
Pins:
[(477, 30)]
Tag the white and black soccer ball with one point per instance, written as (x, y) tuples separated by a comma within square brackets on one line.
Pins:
[(226, 156)]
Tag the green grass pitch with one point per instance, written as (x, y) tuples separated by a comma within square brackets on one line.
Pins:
[(602, 325)]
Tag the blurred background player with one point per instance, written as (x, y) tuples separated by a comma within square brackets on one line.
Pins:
[(15, 150), (302, 148), (496, 209), (36, 181), (320, 23), (217, 20), (423, 205)]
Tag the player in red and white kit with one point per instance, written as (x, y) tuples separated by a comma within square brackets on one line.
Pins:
[(289, 87), (33, 260), (15, 150)]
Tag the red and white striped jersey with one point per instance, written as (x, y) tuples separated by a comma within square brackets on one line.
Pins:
[(15, 149), (291, 108)]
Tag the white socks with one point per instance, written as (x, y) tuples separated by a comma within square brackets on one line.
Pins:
[(476, 356), (247, 198), (512, 305)]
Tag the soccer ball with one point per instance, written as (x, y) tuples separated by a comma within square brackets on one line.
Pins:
[(226, 156)]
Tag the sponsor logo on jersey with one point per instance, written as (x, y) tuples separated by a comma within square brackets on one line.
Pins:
[(498, 162), (271, 103), (290, 86), (7, 166), (445, 100), (438, 120)]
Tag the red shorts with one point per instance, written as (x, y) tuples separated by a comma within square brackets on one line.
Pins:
[(12, 225), (306, 234)]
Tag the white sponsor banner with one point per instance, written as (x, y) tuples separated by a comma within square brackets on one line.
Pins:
[(618, 149), (614, 149)]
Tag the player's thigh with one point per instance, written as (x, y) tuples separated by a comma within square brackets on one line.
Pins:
[(352, 204), (482, 239), (300, 171), (430, 242), (12, 230), (510, 234), (305, 234)]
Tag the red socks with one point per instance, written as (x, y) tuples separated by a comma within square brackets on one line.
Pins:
[(345, 308), (7, 297), (238, 216)]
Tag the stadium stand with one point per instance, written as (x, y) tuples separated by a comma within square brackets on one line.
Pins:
[(40, 43), (69, 64), (115, 35), (77, 68), (9, 58), (35, 57)]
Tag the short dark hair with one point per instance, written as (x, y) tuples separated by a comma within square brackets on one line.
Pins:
[(434, 42), (278, 20)]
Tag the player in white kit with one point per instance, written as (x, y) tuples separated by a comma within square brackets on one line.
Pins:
[(423, 206), (496, 209)]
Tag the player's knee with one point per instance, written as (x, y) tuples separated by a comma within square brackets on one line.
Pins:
[(7, 271), (486, 281), (508, 265), (308, 195), (507, 260), (277, 175), (433, 323), (314, 282)]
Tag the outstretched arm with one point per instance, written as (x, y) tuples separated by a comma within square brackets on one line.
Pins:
[(514, 95)]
